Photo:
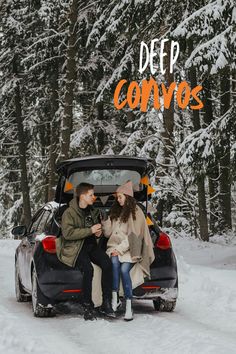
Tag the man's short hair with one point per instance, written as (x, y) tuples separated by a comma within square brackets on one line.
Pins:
[(83, 188)]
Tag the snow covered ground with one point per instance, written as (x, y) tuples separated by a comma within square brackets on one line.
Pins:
[(204, 320)]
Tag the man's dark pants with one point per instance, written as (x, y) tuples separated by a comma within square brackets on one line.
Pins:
[(93, 253)]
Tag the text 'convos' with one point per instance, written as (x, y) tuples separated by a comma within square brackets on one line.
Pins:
[(138, 94)]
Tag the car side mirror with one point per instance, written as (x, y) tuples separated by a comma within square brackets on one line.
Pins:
[(19, 231)]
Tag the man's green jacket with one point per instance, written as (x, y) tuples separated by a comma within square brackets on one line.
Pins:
[(74, 232)]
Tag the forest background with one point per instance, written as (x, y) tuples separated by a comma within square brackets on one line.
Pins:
[(60, 62)]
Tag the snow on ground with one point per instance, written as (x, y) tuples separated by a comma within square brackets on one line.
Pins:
[(204, 320)]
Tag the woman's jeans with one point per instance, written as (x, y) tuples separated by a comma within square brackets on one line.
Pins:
[(121, 269)]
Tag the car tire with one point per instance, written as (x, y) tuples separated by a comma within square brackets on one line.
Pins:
[(39, 310), (21, 295), (164, 305)]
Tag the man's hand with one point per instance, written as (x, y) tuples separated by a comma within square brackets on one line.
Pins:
[(98, 234), (96, 228)]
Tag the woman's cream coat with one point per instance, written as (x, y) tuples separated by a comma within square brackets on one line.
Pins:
[(133, 242)]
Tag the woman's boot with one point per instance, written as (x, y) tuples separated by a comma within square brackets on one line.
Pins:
[(115, 302), (128, 311)]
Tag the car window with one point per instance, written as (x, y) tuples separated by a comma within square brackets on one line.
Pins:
[(43, 221), (39, 223), (35, 222), (106, 177), (106, 180)]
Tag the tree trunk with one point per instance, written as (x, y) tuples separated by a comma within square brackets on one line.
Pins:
[(225, 182), (168, 115), (54, 135), (202, 208), (22, 152), (167, 133), (203, 224), (101, 140), (213, 171), (71, 75)]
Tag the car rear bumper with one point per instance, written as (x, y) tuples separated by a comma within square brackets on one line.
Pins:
[(163, 284), (169, 294), (67, 284)]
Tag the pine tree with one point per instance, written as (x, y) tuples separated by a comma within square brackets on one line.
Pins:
[(13, 24)]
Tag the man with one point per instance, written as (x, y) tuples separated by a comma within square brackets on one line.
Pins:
[(78, 247)]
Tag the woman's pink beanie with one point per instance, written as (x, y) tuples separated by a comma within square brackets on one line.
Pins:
[(126, 188)]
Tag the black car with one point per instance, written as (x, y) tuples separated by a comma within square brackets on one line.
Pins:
[(40, 276)]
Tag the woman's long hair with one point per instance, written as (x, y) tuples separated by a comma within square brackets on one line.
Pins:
[(123, 212)]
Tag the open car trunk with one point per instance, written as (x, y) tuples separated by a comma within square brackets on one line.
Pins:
[(105, 172)]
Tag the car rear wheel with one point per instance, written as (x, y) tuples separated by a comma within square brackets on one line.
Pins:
[(164, 305), (21, 295), (39, 310)]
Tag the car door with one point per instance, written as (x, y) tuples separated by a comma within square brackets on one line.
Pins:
[(36, 228), (26, 248)]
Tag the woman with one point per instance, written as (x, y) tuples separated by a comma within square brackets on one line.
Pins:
[(129, 245)]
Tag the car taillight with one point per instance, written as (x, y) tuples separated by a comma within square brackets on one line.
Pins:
[(72, 291), (49, 244), (163, 242), (150, 287)]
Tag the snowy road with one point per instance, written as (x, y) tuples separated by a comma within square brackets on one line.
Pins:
[(204, 320)]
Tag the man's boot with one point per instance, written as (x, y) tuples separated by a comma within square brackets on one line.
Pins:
[(115, 302), (89, 313), (106, 308), (128, 311)]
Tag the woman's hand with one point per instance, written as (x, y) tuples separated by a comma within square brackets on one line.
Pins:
[(114, 253)]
